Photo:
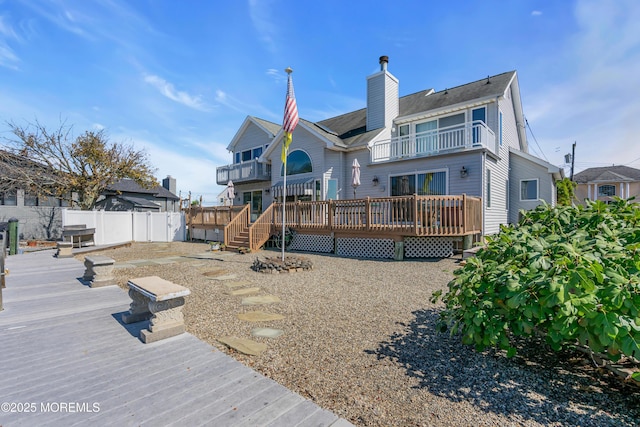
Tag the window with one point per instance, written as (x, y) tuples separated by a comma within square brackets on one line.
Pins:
[(529, 189), (478, 115), (30, 199), (9, 198), (607, 190), (423, 184), (297, 162), (488, 188), (246, 155)]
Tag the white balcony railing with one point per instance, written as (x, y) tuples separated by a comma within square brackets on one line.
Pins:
[(251, 170), (438, 141)]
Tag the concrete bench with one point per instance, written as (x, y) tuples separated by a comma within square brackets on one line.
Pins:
[(64, 249), (98, 271), (78, 233), (160, 301)]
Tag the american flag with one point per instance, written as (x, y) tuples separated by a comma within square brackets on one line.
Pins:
[(290, 116)]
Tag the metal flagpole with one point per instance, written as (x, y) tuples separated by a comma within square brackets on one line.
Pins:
[(288, 125), (284, 200)]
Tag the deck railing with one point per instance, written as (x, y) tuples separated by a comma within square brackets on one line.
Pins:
[(251, 170), (261, 229), (238, 224), (197, 216), (407, 215), (437, 141)]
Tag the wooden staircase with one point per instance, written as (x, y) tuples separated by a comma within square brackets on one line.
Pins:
[(240, 240), (241, 233)]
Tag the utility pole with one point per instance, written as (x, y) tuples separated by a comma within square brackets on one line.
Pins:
[(573, 158)]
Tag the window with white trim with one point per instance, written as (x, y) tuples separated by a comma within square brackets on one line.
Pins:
[(429, 183), (529, 189), (607, 190)]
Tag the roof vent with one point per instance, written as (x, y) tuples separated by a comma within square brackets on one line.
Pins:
[(488, 81)]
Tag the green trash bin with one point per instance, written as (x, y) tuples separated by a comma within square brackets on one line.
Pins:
[(13, 236)]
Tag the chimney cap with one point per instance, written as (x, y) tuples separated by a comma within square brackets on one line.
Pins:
[(384, 59)]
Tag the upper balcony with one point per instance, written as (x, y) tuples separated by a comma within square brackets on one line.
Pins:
[(244, 172), (434, 142)]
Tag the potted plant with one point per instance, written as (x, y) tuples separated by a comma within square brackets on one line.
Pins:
[(214, 246)]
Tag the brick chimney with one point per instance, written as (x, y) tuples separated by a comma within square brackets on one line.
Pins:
[(382, 97)]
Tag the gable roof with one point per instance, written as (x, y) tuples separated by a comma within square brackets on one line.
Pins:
[(127, 185), (607, 174), (350, 129)]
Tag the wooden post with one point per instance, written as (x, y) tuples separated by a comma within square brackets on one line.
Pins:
[(330, 209), (464, 213), (415, 214), (367, 211)]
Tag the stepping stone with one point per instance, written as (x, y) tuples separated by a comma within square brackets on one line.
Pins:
[(224, 277), (266, 332), (259, 316), (123, 265), (245, 346), (263, 299), (244, 291), (237, 283), (216, 272)]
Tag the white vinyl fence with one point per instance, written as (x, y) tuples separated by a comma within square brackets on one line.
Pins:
[(120, 227)]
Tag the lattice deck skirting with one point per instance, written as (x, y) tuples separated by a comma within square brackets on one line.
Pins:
[(428, 247), (365, 248), (312, 243)]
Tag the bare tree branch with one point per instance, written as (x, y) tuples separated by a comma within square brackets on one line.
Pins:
[(55, 164)]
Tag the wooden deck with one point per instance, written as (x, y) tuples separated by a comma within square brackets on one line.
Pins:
[(68, 360), (396, 217)]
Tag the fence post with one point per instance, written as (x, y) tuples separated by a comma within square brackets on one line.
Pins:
[(367, 211)]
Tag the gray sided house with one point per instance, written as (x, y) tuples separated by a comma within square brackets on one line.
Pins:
[(127, 195), (468, 139)]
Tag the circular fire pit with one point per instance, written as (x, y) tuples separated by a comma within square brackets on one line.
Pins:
[(275, 265)]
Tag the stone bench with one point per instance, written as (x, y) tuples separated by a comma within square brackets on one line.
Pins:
[(98, 271), (160, 301), (78, 233), (64, 249)]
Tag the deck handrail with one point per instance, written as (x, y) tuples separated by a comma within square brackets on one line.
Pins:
[(261, 229), (238, 224)]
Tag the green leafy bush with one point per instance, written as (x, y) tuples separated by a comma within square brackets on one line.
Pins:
[(570, 274)]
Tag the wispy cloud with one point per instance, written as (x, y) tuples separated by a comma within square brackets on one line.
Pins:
[(264, 23), (536, 13), (597, 106), (167, 89), (277, 75), (8, 57)]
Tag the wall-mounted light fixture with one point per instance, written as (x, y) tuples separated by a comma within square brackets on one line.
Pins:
[(267, 190), (464, 172), (376, 181)]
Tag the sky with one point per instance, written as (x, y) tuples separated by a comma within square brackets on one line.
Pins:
[(177, 78)]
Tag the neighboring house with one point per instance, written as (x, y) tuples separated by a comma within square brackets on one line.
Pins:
[(38, 217), (127, 195), (607, 182)]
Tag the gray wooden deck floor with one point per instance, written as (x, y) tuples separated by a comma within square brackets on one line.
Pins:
[(67, 359)]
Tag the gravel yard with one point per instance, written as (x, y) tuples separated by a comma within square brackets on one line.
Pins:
[(360, 340)]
